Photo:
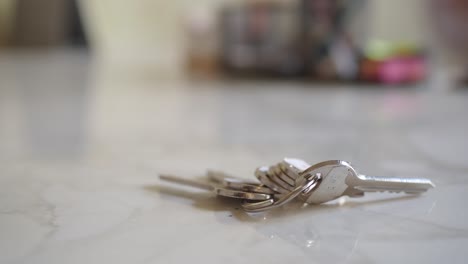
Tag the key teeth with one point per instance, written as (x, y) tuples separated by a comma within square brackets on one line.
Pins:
[(402, 191)]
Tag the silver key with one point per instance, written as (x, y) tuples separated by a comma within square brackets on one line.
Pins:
[(293, 166), (285, 173), (234, 183), (339, 178), (294, 178), (263, 175), (307, 182), (283, 176), (280, 177), (276, 175), (217, 188)]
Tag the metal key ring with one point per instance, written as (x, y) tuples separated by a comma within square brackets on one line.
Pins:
[(308, 184)]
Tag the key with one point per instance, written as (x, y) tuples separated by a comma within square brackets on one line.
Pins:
[(265, 178), (306, 182), (339, 178), (295, 178), (282, 176), (234, 183), (217, 188), (275, 174), (293, 167)]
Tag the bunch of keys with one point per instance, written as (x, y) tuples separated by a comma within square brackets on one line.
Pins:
[(296, 179)]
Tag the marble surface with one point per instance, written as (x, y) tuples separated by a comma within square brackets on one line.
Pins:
[(81, 146)]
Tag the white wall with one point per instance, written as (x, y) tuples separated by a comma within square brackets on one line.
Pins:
[(398, 20)]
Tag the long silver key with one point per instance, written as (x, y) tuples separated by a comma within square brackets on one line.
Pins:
[(340, 178), (217, 188)]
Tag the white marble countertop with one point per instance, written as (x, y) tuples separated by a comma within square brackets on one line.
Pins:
[(80, 149)]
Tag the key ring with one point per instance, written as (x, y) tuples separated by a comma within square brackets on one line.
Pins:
[(294, 178), (308, 184)]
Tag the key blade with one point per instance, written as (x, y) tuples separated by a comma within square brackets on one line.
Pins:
[(392, 184), (187, 182)]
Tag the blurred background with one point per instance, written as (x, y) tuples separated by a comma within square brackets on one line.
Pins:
[(353, 41), (81, 73)]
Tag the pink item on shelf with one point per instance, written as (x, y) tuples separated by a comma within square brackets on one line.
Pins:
[(402, 70), (392, 71)]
